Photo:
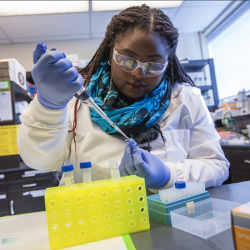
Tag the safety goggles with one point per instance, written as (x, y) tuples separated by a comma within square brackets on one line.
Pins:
[(130, 64)]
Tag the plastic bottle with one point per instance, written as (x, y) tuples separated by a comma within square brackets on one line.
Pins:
[(68, 175), (86, 172), (114, 169)]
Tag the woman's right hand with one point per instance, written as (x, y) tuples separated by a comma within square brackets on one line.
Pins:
[(55, 78)]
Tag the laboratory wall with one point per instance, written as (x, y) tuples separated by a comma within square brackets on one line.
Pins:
[(188, 47)]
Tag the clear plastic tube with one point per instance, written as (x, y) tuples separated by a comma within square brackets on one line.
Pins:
[(86, 175), (69, 179), (68, 175), (114, 169), (86, 172)]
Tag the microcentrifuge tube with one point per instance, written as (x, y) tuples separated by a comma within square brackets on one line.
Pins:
[(86, 172), (114, 169), (68, 175)]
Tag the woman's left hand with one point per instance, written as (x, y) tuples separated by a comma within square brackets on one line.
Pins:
[(137, 161)]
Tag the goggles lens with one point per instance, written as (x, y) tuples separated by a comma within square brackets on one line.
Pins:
[(130, 64)]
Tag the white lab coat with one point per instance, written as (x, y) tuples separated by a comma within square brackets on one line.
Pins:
[(192, 150)]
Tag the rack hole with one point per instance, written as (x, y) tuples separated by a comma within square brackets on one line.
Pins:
[(95, 231), (130, 201), (108, 228), (92, 196), (132, 223), (119, 214), (118, 203), (116, 192), (55, 239), (79, 198), (68, 224), (83, 234), (52, 203), (142, 209), (54, 227), (120, 225), (105, 205), (141, 199), (81, 221), (66, 201), (69, 236), (106, 217), (144, 221), (128, 190), (94, 219), (140, 188), (80, 210), (53, 215), (67, 212), (104, 194), (131, 212), (93, 208)]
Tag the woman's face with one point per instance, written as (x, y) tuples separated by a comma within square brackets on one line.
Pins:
[(145, 47)]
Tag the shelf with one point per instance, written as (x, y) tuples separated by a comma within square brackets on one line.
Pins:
[(194, 65), (205, 88), (20, 93)]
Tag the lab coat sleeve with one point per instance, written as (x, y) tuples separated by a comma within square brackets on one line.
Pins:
[(206, 161), (44, 141)]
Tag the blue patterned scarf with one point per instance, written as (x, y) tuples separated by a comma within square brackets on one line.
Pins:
[(137, 120)]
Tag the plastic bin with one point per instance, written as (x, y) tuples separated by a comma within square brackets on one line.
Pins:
[(211, 217)]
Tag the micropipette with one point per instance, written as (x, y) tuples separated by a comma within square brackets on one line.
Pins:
[(84, 96)]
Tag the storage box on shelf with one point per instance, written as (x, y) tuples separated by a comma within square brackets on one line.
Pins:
[(16, 93)]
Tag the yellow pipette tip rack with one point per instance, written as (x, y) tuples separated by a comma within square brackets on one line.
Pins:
[(91, 212)]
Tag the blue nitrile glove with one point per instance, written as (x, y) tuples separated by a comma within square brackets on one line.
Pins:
[(55, 78), (137, 161)]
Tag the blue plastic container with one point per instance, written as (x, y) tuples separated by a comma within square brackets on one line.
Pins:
[(160, 211)]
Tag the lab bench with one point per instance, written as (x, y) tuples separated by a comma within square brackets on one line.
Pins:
[(161, 237), (22, 189)]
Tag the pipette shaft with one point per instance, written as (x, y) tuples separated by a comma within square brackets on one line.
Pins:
[(84, 96)]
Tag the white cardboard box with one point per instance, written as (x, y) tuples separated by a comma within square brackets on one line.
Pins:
[(13, 70)]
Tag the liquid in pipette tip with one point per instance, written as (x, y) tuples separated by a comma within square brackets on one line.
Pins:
[(116, 127)]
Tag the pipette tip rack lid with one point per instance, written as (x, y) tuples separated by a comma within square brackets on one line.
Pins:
[(85, 164), (67, 168)]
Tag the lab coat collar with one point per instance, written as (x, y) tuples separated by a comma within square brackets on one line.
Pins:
[(176, 89)]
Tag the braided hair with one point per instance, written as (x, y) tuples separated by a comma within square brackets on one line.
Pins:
[(140, 17)]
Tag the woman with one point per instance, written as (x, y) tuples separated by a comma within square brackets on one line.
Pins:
[(136, 78)]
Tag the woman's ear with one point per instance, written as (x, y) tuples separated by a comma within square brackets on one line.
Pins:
[(110, 54)]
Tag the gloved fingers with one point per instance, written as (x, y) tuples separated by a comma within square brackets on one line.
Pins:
[(140, 164), (77, 83), (39, 51), (128, 159), (50, 57), (70, 74), (122, 169), (62, 65)]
